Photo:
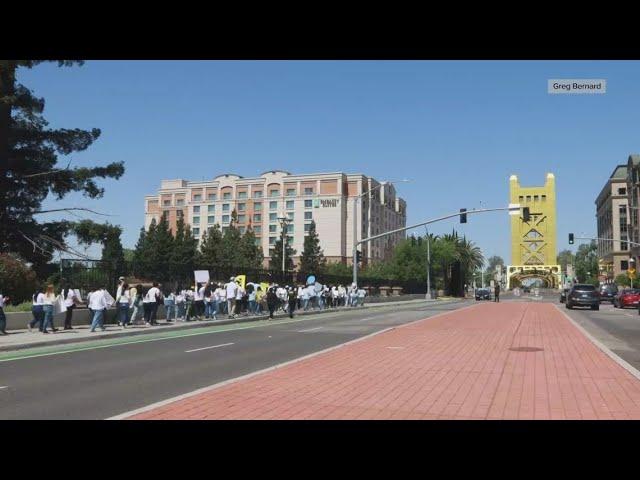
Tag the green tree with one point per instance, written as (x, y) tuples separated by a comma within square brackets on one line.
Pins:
[(586, 262), (312, 258), (140, 251), (210, 247), (623, 280), (276, 257), (17, 280), (184, 255), (30, 169), (565, 257), (250, 252), (230, 246), (334, 268)]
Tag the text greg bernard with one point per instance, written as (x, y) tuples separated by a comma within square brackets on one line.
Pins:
[(577, 85)]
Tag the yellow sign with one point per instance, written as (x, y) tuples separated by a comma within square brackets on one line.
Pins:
[(241, 279), (631, 273)]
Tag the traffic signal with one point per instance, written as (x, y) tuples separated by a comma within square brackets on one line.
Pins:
[(463, 216), (526, 215), (358, 256), (571, 239)]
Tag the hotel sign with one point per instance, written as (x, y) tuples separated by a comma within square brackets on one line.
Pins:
[(326, 203)]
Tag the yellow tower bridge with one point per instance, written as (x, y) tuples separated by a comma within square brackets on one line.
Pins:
[(533, 242)]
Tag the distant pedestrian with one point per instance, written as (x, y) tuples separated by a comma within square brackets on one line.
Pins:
[(98, 305), (272, 301), (3, 318), (70, 302), (135, 294), (123, 303), (496, 296), (231, 289), (37, 310), (293, 300), (49, 299)]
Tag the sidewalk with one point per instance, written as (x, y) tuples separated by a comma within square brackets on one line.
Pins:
[(20, 339), (488, 361)]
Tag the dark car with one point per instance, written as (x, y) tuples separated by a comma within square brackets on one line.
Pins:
[(583, 296), (483, 294), (608, 292), (563, 295), (629, 297), (526, 289)]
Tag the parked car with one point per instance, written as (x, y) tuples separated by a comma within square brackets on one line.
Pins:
[(563, 295), (526, 289), (629, 297), (483, 294), (584, 296), (608, 292)]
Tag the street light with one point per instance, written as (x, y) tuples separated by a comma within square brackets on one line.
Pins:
[(426, 231), (283, 223), (355, 222)]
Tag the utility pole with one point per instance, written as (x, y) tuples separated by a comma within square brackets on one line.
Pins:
[(428, 264)]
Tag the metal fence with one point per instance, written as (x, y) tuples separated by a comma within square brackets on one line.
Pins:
[(90, 274)]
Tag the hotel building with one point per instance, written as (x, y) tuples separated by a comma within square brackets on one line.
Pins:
[(325, 198)]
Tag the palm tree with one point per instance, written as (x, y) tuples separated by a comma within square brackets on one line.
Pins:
[(470, 256)]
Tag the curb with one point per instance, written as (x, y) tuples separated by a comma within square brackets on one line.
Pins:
[(620, 361), (125, 415), (193, 325)]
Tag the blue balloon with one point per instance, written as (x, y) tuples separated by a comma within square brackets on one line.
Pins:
[(311, 280)]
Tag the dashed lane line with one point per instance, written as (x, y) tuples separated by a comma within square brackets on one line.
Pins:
[(208, 348)]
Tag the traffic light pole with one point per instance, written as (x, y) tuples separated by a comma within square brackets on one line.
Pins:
[(404, 229)]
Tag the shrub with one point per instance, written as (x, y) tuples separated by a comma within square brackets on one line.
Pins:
[(17, 281)]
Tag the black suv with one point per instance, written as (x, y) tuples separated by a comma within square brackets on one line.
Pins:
[(483, 294), (584, 296), (607, 292)]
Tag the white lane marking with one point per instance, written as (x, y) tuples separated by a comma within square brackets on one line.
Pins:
[(215, 386), (310, 329), (207, 348), (6, 386)]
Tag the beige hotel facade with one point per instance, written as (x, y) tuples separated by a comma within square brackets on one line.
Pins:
[(325, 198)]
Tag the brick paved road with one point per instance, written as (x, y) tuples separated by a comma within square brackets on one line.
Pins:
[(459, 365)]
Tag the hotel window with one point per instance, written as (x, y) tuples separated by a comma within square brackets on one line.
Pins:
[(289, 204), (225, 218), (211, 209), (290, 215), (289, 240), (242, 194), (180, 202), (308, 215), (289, 228), (257, 218), (624, 264), (273, 205), (179, 213), (273, 228), (258, 241), (257, 229), (196, 209), (308, 204), (196, 220), (196, 232), (166, 203), (242, 207), (211, 219), (242, 218), (257, 206), (257, 194), (226, 195), (272, 240), (291, 192), (308, 190), (307, 227), (225, 207), (197, 197), (212, 197), (273, 217), (274, 193)]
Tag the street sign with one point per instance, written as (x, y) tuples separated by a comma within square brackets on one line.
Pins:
[(514, 209)]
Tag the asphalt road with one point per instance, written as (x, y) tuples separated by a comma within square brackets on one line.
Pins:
[(99, 380)]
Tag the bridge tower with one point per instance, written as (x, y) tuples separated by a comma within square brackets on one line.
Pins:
[(533, 243)]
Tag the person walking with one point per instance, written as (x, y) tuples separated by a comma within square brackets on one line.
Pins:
[(123, 302), (36, 310), (496, 293), (208, 300), (135, 293), (121, 283), (260, 298), (240, 299), (170, 305), (98, 305), (70, 301), (199, 302), (272, 301), (3, 318), (49, 299), (293, 300), (253, 310), (361, 294), (231, 291), (149, 302)]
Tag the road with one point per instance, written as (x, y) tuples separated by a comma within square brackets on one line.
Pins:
[(97, 380)]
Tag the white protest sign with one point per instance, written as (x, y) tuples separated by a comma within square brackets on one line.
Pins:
[(202, 276)]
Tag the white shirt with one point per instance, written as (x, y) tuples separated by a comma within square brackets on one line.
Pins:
[(49, 298), (98, 300), (125, 299), (39, 299), (239, 293), (150, 297), (1, 301), (218, 294), (119, 291), (200, 293), (222, 294), (71, 295), (362, 293), (232, 289)]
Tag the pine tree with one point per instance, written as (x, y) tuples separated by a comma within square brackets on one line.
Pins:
[(250, 251), (30, 172), (210, 247), (276, 258), (140, 251), (231, 256), (312, 259), (184, 255)]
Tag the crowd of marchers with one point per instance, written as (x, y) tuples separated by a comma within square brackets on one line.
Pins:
[(138, 305)]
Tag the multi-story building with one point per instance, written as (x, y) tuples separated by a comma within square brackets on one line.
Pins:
[(613, 223), (633, 195), (325, 198)]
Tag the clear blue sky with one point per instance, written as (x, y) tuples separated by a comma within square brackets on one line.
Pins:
[(458, 129)]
